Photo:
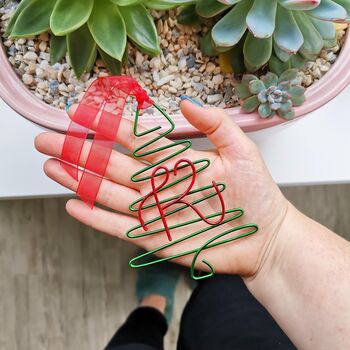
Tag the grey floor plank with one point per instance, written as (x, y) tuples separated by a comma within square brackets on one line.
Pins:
[(329, 205), (65, 286)]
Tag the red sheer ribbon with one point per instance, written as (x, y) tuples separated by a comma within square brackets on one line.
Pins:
[(100, 110)]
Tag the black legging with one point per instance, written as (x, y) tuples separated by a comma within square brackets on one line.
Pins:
[(221, 314)]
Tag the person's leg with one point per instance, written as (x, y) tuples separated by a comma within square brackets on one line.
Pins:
[(144, 329), (146, 326), (222, 314)]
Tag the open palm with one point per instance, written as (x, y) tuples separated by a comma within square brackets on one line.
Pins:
[(236, 162)]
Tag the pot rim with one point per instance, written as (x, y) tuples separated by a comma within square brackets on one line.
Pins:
[(36, 110)]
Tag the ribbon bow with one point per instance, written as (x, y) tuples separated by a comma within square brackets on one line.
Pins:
[(100, 110)]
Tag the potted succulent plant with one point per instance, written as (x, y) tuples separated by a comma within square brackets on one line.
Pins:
[(266, 38)]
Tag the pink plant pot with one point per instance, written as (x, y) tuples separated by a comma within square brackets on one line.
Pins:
[(16, 95)]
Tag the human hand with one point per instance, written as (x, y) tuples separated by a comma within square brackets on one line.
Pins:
[(236, 162)]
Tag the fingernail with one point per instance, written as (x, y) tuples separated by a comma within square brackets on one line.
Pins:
[(69, 105), (192, 100)]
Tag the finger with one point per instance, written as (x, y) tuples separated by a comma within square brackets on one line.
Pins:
[(219, 128), (119, 169), (114, 224), (111, 195), (127, 139)]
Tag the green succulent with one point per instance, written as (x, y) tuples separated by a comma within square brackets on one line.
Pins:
[(271, 94), (86, 27), (282, 32)]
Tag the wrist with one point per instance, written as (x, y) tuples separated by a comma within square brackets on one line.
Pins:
[(277, 251)]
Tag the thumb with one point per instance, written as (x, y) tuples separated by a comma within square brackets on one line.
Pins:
[(217, 125)]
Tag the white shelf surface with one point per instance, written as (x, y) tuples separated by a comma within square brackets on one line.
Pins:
[(311, 150)]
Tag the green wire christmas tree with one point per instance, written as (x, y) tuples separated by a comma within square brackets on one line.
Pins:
[(173, 151)]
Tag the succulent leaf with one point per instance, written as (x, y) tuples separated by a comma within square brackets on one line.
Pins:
[(237, 58), (253, 45), (287, 35), (126, 2), (261, 18), (247, 78), (81, 49), (23, 4), (329, 10), (286, 106), (297, 61), (113, 65), (296, 91), (326, 29), (207, 45), (283, 55), (58, 48), (141, 28), (107, 27), (33, 19), (188, 16), (210, 8), (277, 66), (166, 4), (63, 22), (242, 91), (262, 96), (270, 79), (288, 75), (300, 5), (256, 86), (298, 100), (250, 104), (346, 5), (313, 41), (227, 35), (286, 115), (275, 106), (265, 110)]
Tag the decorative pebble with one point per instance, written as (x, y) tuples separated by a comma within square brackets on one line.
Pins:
[(198, 87), (176, 83), (30, 56), (210, 67), (27, 79), (190, 61), (173, 69), (218, 79), (44, 56), (182, 63), (31, 68), (8, 43), (40, 73), (172, 90), (53, 85), (43, 85), (164, 80), (155, 63), (63, 87), (43, 46), (139, 59), (44, 36), (212, 99)]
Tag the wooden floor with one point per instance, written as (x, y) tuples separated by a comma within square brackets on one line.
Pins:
[(66, 287)]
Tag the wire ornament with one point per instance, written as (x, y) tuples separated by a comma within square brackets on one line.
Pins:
[(101, 110)]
